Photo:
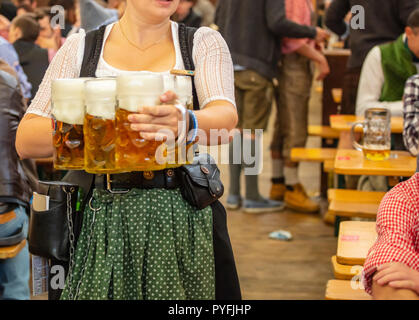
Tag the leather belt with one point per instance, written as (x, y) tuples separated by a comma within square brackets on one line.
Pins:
[(124, 182)]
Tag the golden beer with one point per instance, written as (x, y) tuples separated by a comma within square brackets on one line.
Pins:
[(99, 126), (134, 153), (376, 154), (67, 96), (68, 146)]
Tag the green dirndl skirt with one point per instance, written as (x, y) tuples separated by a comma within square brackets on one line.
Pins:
[(145, 244)]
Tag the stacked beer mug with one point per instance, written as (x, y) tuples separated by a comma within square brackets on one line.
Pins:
[(68, 109), (92, 131), (99, 126)]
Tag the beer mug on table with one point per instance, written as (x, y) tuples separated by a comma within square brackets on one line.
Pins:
[(99, 126), (68, 110), (377, 134), (132, 152)]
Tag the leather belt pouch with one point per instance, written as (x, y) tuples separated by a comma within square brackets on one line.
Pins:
[(49, 230), (201, 184)]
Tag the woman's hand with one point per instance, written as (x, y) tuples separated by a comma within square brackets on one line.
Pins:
[(397, 275), (152, 122)]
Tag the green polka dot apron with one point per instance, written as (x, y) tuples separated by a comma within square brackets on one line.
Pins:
[(145, 244)]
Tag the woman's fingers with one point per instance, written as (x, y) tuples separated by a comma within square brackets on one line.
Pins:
[(168, 97), (147, 127), (394, 276), (141, 118), (386, 269), (156, 111)]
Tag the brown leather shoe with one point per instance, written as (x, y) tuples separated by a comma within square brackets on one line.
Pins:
[(277, 192), (299, 200)]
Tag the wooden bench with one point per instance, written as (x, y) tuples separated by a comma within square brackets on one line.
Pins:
[(12, 251), (342, 290), (329, 165), (312, 154), (354, 203), (323, 132), (344, 272), (355, 240)]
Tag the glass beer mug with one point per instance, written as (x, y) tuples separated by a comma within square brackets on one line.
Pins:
[(68, 109), (182, 86), (377, 134), (99, 126), (132, 152)]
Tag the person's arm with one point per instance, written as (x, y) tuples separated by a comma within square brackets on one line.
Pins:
[(316, 56), (371, 85), (411, 115), (388, 293), (335, 16), (34, 137), (281, 26), (396, 242)]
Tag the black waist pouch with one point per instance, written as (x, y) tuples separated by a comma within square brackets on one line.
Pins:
[(50, 230), (201, 183)]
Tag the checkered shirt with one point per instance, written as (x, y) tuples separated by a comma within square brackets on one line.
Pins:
[(411, 115), (397, 229)]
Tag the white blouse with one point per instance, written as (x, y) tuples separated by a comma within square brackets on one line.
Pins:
[(214, 75)]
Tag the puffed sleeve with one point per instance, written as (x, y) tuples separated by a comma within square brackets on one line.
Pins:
[(214, 74)]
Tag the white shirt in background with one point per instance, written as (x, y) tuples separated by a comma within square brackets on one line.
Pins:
[(371, 85)]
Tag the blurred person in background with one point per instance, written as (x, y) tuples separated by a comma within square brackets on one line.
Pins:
[(15, 189), (24, 9), (384, 21), (7, 9), (4, 27), (70, 15), (9, 55), (186, 14), (49, 38), (253, 31), (293, 94), (34, 60), (206, 10), (93, 15)]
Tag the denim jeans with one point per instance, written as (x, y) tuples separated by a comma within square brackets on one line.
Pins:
[(14, 272)]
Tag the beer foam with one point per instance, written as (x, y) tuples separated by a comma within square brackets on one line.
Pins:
[(140, 89), (67, 96), (100, 96), (183, 89), (169, 82)]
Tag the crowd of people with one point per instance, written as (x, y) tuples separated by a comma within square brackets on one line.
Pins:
[(265, 53)]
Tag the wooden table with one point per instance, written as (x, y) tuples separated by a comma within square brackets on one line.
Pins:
[(355, 239), (353, 162), (342, 290), (345, 122)]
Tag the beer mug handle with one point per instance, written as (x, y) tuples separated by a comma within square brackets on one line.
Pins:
[(356, 145)]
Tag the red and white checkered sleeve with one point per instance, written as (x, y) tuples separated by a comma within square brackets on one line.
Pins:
[(397, 223)]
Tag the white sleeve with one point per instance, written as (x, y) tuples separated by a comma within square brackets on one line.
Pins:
[(371, 85), (214, 74), (66, 64)]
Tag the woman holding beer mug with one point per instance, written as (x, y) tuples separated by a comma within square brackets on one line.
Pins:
[(147, 243)]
